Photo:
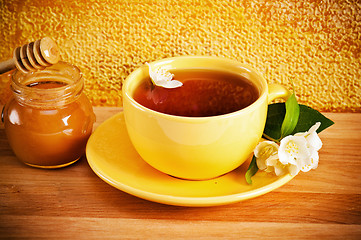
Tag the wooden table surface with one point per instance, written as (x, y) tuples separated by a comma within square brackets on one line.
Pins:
[(73, 203)]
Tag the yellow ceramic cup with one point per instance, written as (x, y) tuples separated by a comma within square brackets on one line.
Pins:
[(197, 147)]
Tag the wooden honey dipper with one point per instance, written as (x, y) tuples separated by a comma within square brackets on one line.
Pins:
[(32, 56)]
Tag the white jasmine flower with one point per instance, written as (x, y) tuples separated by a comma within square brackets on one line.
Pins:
[(314, 144), (267, 159), (295, 153), (264, 151), (312, 138), (163, 78)]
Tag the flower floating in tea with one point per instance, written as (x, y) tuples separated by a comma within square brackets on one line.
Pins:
[(162, 78), (292, 129)]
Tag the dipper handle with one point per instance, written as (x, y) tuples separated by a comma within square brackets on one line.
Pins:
[(32, 56)]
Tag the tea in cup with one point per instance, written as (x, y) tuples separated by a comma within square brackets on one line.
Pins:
[(207, 127)]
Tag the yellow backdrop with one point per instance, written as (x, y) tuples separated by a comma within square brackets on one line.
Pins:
[(314, 44)]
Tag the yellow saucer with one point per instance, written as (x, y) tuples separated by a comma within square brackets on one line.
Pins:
[(112, 157)]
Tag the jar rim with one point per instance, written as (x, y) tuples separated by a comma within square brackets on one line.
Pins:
[(65, 73)]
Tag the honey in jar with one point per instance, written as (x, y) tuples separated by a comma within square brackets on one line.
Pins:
[(49, 119)]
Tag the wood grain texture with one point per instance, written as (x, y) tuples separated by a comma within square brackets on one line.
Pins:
[(73, 203)]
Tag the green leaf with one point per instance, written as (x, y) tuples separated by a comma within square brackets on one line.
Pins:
[(307, 118), (291, 117), (276, 114), (252, 169)]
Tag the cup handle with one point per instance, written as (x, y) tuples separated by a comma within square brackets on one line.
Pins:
[(277, 91)]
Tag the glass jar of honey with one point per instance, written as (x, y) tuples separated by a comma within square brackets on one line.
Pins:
[(49, 119)]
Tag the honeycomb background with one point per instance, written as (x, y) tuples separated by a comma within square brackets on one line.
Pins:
[(314, 44)]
